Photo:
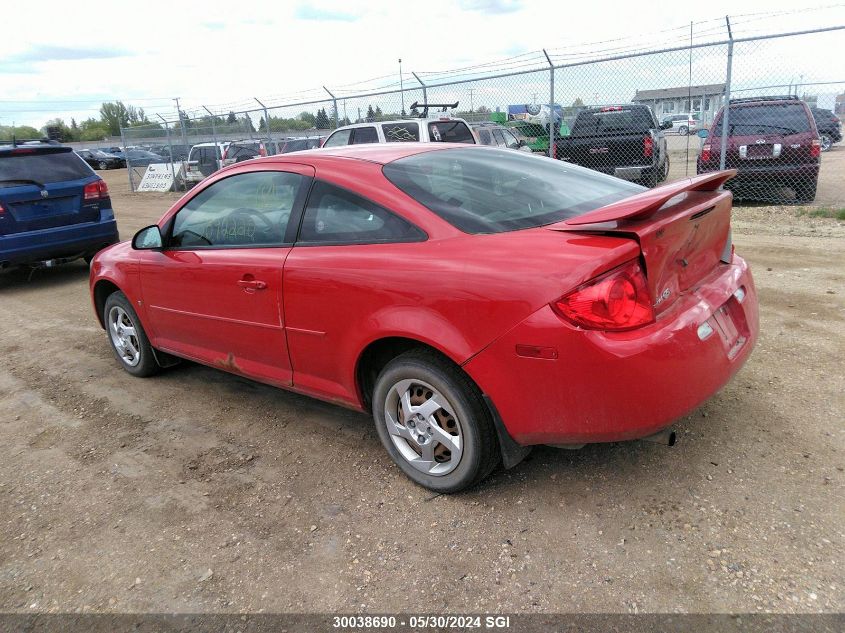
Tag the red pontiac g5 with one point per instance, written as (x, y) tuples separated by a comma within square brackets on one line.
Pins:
[(478, 301)]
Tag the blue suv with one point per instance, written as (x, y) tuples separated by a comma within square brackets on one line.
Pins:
[(53, 207)]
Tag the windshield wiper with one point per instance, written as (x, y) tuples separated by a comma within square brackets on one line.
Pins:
[(23, 180)]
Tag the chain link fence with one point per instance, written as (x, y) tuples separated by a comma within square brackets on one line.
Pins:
[(647, 116)]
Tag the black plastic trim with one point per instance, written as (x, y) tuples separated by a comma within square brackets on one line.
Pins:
[(512, 453)]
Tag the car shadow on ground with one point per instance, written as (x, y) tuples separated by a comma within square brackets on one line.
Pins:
[(24, 278)]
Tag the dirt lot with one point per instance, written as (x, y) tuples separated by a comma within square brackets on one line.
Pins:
[(201, 491)]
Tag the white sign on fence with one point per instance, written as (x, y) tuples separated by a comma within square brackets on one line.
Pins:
[(159, 176)]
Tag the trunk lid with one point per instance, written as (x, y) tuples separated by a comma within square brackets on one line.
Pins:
[(683, 230)]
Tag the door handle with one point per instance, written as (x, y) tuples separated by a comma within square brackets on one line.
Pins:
[(252, 284)]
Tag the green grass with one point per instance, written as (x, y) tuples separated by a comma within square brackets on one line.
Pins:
[(823, 212)]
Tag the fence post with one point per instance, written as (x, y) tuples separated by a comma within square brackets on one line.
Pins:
[(126, 156), (424, 87), (170, 145), (334, 101), (214, 136), (551, 105), (266, 120), (727, 111)]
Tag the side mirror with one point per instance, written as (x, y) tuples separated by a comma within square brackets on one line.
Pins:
[(148, 239), (703, 133)]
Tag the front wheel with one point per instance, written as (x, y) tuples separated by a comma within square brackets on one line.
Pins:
[(683, 130), (127, 337), (826, 142), (433, 422), (102, 165)]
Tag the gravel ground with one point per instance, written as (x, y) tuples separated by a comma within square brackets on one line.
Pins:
[(199, 491)]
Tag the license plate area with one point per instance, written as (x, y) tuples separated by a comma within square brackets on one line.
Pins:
[(729, 324), (628, 173)]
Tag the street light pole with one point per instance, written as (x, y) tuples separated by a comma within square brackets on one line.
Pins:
[(401, 87)]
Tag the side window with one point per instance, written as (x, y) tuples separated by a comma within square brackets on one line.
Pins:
[(484, 137), (250, 209), (364, 135), (510, 140), (337, 216), (401, 132), (500, 139), (341, 137)]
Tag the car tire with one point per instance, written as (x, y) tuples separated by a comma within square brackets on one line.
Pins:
[(683, 130), (433, 422), (826, 142), (102, 165), (127, 337), (806, 191)]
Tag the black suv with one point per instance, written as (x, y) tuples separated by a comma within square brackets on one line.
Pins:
[(829, 126)]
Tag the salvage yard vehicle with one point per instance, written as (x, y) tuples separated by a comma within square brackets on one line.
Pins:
[(373, 277), (829, 127), (203, 160), (53, 207), (622, 140), (99, 159), (772, 142), (441, 129), (498, 136)]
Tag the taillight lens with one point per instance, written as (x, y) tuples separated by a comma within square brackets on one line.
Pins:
[(648, 146), (2, 209), (96, 190), (815, 148), (617, 300), (262, 151), (705, 153)]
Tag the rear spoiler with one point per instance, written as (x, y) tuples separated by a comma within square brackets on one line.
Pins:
[(648, 202)]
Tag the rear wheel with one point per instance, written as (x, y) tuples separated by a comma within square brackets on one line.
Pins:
[(433, 422), (827, 142), (102, 165), (127, 337), (683, 130), (806, 191)]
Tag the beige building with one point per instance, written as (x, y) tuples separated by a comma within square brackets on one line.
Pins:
[(666, 101)]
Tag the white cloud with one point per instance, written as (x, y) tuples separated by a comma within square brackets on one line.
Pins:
[(220, 53)]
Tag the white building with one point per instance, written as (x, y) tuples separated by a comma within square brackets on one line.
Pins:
[(666, 101)]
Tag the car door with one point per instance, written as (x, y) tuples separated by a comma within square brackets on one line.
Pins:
[(330, 288), (214, 292)]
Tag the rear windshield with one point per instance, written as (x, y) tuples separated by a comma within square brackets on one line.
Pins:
[(769, 118), (41, 168), (612, 121), (400, 132), (450, 132), (495, 190)]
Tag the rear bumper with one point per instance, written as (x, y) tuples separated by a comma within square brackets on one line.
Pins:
[(774, 175), (60, 241), (605, 387)]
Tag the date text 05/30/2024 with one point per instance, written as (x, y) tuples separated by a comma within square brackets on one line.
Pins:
[(422, 621)]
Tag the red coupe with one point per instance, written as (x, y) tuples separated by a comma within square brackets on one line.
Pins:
[(478, 301)]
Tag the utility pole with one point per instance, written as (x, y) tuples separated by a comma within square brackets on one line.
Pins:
[(470, 90), (181, 123), (401, 87)]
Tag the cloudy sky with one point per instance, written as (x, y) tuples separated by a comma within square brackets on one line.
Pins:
[(76, 54)]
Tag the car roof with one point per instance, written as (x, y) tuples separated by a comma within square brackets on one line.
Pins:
[(381, 153)]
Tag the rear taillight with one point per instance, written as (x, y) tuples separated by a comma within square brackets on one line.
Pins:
[(262, 151), (815, 148), (705, 153), (2, 209), (96, 190), (616, 300), (225, 151), (648, 146)]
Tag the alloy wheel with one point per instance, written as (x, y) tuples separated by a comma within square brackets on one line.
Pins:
[(423, 427), (123, 336)]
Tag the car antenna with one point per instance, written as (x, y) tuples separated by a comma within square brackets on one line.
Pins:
[(426, 106)]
